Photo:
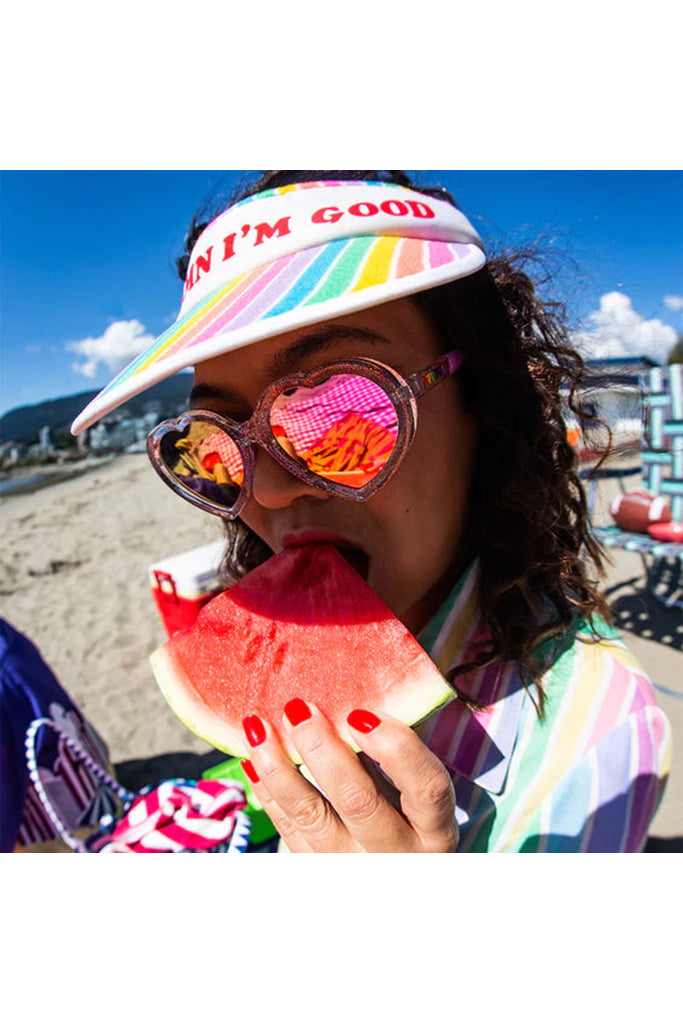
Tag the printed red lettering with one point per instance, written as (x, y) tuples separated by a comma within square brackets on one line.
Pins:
[(363, 209), (420, 209), (229, 246), (265, 231), (327, 215), (394, 207), (203, 263)]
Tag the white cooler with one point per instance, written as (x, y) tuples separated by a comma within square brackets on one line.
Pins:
[(182, 584)]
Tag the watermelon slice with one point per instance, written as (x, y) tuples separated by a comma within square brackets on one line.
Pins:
[(303, 624)]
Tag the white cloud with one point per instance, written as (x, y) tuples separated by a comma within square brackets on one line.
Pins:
[(616, 329), (674, 302), (121, 342)]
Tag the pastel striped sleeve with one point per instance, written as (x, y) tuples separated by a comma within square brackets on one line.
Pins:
[(606, 801)]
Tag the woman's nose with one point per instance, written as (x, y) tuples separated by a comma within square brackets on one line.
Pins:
[(273, 487)]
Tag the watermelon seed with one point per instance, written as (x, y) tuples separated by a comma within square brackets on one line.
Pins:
[(279, 656), (253, 648)]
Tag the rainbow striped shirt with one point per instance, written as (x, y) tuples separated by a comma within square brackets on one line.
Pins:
[(588, 777)]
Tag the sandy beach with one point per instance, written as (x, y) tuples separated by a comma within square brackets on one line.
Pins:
[(73, 577)]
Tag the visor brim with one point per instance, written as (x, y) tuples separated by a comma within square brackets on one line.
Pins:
[(300, 289)]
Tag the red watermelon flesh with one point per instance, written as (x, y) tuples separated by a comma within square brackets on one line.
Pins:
[(303, 624)]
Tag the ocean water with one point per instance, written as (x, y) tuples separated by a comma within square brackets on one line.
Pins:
[(7, 486)]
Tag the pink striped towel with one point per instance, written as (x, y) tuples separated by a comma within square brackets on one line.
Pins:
[(174, 817)]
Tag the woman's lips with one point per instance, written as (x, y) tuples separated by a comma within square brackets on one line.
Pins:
[(298, 538)]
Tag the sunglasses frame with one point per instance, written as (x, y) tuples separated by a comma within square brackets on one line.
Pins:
[(403, 393)]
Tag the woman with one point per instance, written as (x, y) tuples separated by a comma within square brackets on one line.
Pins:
[(473, 531)]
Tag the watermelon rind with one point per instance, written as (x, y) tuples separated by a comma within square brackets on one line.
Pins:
[(410, 700), (191, 710)]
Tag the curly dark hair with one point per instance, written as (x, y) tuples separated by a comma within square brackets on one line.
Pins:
[(528, 520)]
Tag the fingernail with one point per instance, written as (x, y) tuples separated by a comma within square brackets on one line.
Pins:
[(297, 711), (250, 771), (363, 721), (254, 729)]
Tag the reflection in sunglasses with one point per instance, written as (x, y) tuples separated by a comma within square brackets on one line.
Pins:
[(205, 456), (343, 430), (345, 435), (352, 452)]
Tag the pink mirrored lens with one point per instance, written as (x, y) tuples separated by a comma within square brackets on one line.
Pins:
[(344, 429)]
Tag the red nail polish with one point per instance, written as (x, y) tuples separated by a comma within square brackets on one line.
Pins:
[(254, 729), (250, 771), (297, 711), (363, 721)]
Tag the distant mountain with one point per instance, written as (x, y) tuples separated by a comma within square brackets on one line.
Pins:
[(23, 424)]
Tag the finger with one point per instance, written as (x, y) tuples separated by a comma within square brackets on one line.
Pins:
[(300, 813), (383, 784), (370, 819), (295, 843), (427, 795)]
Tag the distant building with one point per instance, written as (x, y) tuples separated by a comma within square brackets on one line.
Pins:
[(119, 433), (618, 385), (45, 440), (614, 395), (98, 437), (125, 434), (11, 452), (620, 370)]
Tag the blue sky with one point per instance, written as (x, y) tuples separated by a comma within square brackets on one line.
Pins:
[(87, 260)]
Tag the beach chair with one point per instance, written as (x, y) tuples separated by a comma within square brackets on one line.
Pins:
[(29, 689), (661, 471), (175, 816), (57, 786)]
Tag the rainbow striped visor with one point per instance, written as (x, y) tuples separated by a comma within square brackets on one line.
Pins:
[(294, 256)]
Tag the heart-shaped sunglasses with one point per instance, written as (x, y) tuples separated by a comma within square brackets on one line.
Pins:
[(343, 427)]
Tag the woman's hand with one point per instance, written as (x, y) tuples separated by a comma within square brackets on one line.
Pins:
[(359, 812)]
